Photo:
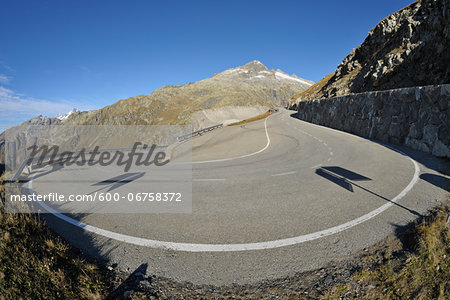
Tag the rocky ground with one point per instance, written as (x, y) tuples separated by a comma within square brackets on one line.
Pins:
[(308, 285)]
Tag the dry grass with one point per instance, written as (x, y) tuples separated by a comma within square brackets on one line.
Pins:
[(37, 264), (313, 90), (423, 274), (2, 186), (256, 118)]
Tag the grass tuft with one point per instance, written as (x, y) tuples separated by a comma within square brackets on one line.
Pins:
[(423, 274)]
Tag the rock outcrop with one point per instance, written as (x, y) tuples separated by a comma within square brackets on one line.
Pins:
[(408, 48)]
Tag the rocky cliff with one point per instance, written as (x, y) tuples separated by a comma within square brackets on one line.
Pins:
[(248, 85), (408, 48)]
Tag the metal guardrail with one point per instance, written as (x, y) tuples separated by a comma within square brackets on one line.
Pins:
[(198, 132)]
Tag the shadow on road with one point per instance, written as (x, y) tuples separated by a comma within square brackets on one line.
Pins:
[(437, 180), (118, 181), (344, 178), (342, 182), (131, 283), (350, 175)]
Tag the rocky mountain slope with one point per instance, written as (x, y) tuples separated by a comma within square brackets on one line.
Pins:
[(408, 48), (245, 86)]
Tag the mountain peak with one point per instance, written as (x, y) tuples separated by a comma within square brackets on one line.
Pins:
[(255, 65), (258, 74)]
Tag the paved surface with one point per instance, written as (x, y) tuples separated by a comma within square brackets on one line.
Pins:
[(270, 198)]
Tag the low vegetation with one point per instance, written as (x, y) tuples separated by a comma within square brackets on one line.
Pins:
[(256, 118), (37, 264), (422, 272), (312, 91)]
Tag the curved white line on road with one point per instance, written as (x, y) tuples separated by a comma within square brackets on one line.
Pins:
[(190, 247), (242, 156)]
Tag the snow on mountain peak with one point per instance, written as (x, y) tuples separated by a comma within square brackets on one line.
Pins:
[(257, 73), (280, 76), (62, 117)]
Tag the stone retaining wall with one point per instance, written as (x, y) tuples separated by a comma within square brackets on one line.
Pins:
[(417, 117)]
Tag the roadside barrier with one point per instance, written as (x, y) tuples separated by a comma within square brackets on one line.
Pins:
[(198, 132)]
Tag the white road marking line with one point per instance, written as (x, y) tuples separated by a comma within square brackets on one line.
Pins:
[(315, 167), (329, 158), (331, 153), (285, 173), (209, 179), (189, 247), (242, 156)]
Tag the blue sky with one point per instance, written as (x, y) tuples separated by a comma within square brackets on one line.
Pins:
[(56, 55)]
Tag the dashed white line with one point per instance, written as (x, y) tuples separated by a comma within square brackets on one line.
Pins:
[(209, 179), (285, 173), (323, 143)]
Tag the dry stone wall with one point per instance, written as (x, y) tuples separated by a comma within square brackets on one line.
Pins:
[(417, 117)]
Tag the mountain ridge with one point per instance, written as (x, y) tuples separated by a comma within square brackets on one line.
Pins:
[(248, 85)]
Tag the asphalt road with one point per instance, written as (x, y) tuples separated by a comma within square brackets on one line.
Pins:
[(270, 198)]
